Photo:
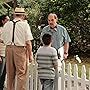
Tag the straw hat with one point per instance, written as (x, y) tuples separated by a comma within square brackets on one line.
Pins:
[(19, 11)]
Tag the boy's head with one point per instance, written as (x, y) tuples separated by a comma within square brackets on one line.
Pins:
[(47, 39)]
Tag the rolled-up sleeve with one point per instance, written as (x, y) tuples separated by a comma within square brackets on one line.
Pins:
[(66, 35)]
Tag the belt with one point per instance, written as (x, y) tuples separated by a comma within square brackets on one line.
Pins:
[(13, 44)]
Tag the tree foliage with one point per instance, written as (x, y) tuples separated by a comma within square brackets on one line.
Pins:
[(33, 10), (72, 14), (2, 9), (75, 16)]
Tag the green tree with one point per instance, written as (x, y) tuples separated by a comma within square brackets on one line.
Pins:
[(4, 7), (3, 10), (75, 16), (33, 10)]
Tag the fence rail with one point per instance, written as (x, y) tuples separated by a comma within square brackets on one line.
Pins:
[(71, 81), (64, 80)]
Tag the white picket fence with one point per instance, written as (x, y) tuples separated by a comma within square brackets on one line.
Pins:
[(71, 81), (64, 80)]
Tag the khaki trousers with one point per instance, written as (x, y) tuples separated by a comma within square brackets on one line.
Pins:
[(16, 65)]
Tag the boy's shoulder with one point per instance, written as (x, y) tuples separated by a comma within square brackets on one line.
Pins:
[(42, 47), (53, 48), (49, 49)]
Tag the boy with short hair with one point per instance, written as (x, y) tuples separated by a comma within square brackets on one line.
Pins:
[(47, 58)]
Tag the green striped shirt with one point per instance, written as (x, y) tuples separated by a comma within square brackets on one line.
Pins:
[(46, 58)]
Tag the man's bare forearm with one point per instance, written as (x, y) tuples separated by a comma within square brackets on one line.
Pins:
[(29, 46), (66, 47), (29, 49)]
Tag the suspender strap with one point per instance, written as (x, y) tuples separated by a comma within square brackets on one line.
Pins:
[(14, 23)]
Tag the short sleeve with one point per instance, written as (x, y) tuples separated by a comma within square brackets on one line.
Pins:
[(28, 34), (42, 33), (66, 35)]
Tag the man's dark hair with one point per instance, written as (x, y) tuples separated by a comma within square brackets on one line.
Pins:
[(46, 39)]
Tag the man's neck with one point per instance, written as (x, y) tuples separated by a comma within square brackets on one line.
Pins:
[(55, 26), (17, 18)]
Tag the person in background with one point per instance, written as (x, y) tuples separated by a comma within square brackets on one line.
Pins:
[(47, 58), (60, 36), (17, 37), (3, 19)]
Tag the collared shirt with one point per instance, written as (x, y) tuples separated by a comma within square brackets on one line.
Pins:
[(59, 35), (22, 33)]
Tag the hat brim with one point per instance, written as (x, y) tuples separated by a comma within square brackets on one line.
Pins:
[(21, 13)]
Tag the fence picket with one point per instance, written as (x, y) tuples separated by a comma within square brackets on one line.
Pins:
[(89, 73), (75, 77), (63, 76), (69, 80), (69, 77), (35, 73), (83, 78), (31, 76)]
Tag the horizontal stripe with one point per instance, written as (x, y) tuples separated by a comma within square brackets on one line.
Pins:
[(46, 58), (45, 77), (46, 69), (46, 72), (45, 66), (46, 55)]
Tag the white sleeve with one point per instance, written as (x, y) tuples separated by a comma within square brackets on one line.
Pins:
[(28, 34)]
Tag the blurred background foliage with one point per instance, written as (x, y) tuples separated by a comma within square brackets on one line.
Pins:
[(72, 14)]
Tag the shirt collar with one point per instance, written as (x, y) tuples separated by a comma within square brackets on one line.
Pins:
[(52, 29), (17, 19)]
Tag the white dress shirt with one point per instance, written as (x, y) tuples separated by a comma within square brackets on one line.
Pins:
[(22, 33)]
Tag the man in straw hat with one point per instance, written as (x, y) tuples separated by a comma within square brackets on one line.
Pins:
[(17, 36)]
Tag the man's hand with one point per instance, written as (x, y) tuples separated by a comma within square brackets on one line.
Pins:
[(31, 58), (65, 55), (66, 48)]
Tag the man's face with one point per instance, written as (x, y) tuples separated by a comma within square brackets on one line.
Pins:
[(52, 21)]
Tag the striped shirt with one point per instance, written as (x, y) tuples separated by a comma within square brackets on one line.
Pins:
[(46, 58)]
